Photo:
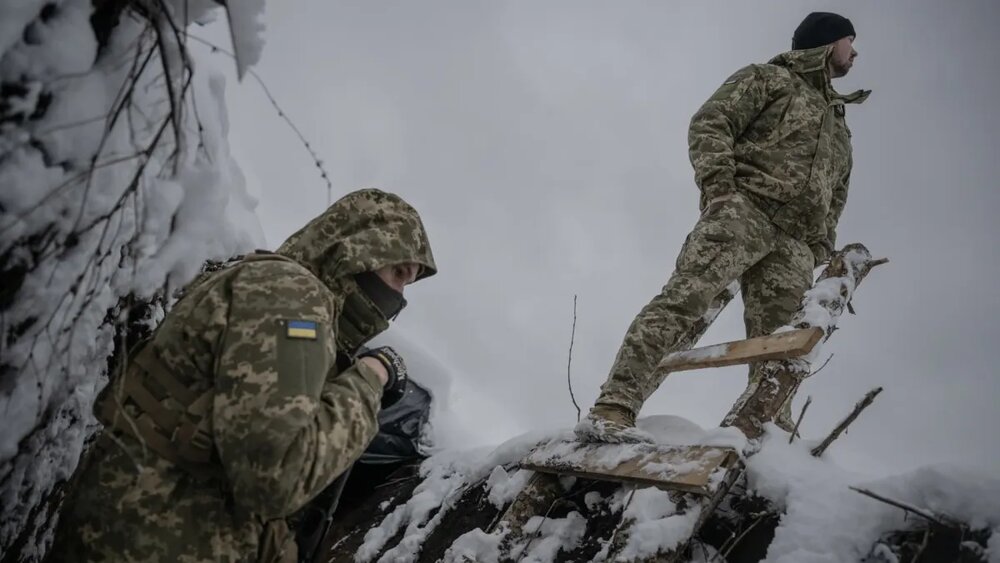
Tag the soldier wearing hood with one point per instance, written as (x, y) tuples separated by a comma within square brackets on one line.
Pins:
[(244, 405), (771, 153)]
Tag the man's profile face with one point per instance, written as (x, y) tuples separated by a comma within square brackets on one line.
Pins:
[(842, 57)]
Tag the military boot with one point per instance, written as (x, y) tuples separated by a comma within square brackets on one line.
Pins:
[(609, 423)]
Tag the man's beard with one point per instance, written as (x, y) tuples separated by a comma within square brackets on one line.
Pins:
[(840, 69)]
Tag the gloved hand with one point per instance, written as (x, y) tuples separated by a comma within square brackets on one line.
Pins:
[(395, 386)]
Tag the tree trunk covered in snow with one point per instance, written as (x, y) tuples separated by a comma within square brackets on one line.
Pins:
[(115, 174)]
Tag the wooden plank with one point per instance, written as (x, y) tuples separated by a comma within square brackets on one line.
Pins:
[(781, 346), (682, 468)]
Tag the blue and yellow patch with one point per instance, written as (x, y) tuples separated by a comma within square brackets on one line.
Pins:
[(302, 329)]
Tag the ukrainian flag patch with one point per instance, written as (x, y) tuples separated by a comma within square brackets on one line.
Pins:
[(302, 329)]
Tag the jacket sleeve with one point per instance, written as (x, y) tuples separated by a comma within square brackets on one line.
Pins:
[(285, 424), (717, 125), (825, 248)]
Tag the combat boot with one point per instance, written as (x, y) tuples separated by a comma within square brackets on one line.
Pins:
[(610, 423)]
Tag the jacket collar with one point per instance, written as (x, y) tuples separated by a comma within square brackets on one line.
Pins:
[(811, 65)]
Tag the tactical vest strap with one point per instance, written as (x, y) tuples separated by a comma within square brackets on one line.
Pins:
[(182, 438), (148, 361)]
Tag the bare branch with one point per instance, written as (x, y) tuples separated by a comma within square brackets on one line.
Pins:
[(820, 368), (802, 414), (569, 363), (840, 428), (926, 514)]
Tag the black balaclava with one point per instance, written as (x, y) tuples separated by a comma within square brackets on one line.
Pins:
[(369, 306)]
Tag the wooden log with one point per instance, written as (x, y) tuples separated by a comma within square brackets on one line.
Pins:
[(780, 346), (685, 468), (542, 490)]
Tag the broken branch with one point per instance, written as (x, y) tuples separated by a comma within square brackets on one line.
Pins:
[(926, 514), (802, 414), (840, 428)]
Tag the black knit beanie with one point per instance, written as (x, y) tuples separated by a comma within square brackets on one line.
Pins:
[(821, 28)]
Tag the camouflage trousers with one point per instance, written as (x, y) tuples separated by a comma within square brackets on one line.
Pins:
[(733, 240)]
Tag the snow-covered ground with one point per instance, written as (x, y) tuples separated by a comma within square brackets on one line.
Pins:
[(823, 521)]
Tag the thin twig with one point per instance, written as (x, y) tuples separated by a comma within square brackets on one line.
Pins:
[(822, 366), (840, 428), (614, 534), (802, 414), (569, 363), (281, 113), (930, 517), (538, 528), (740, 537)]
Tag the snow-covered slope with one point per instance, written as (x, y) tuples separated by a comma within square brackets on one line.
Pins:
[(116, 181), (822, 520)]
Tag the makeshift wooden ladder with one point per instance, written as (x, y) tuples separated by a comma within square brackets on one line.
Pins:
[(698, 477)]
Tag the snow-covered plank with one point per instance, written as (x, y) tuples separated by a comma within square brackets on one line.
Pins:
[(780, 346), (690, 469)]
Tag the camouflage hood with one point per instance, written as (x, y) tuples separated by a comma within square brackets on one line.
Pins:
[(361, 232)]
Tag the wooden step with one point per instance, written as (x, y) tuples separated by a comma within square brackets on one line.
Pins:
[(781, 346), (682, 468)]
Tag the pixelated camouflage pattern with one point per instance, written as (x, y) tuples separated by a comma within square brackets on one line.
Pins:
[(284, 422), (732, 240), (777, 132)]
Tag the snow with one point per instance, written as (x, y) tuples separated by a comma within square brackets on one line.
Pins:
[(247, 32), (550, 535), (825, 521), (95, 208), (503, 487), (446, 476), (657, 527), (703, 353)]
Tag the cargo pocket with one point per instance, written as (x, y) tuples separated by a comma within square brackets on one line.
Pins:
[(709, 240)]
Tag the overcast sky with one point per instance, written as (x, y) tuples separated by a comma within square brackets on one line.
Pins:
[(544, 144)]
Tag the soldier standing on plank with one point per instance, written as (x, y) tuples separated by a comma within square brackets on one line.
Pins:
[(772, 157)]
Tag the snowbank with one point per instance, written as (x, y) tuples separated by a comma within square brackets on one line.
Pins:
[(108, 193), (823, 520)]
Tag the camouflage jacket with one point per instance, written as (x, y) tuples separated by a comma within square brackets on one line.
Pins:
[(777, 132), (283, 422)]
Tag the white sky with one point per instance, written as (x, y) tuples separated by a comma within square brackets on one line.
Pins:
[(544, 144)]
